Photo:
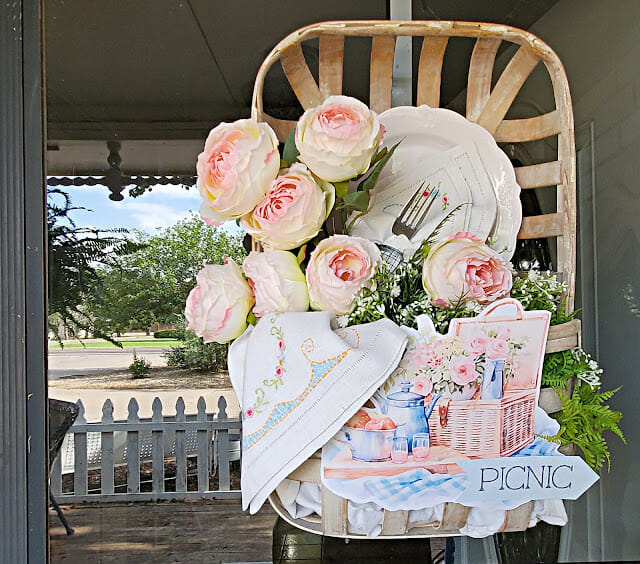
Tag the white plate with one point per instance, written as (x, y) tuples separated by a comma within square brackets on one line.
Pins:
[(429, 135)]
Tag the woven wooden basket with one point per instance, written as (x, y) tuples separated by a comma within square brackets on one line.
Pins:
[(485, 428), (490, 94)]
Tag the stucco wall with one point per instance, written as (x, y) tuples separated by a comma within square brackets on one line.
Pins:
[(599, 44)]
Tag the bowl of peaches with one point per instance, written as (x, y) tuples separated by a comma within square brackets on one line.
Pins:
[(369, 435)]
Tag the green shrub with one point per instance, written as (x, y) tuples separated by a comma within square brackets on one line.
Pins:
[(139, 368), (194, 354), (169, 334)]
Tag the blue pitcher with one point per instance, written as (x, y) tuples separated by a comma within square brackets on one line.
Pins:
[(407, 410)]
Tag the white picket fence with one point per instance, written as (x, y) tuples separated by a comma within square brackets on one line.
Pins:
[(212, 440)]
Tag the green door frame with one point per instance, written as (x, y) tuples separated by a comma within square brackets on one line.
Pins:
[(23, 383)]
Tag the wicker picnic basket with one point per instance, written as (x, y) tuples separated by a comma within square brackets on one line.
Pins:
[(521, 127)]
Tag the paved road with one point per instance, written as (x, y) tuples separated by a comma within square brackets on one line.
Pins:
[(72, 362)]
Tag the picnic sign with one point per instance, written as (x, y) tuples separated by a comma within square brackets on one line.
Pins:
[(535, 477)]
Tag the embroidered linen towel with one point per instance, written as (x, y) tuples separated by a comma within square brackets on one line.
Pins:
[(298, 382)]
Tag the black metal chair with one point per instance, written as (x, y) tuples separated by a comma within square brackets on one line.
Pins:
[(62, 415)]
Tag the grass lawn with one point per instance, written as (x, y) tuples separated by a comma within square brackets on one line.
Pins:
[(128, 344)]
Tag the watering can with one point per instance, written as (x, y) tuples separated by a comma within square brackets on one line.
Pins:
[(407, 409)]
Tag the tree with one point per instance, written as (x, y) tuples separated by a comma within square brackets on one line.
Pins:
[(151, 285), (75, 255)]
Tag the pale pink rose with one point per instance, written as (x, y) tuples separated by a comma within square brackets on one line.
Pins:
[(422, 385), (337, 139), (217, 307), (464, 235), (292, 211), (497, 349), (467, 269), (477, 344), (239, 161), (338, 268), (462, 369), (277, 282), (425, 355)]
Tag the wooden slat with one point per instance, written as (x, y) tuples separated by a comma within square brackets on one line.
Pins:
[(536, 226), (157, 448), (300, 77), (395, 522), (549, 400), (430, 71), (480, 73), (507, 87), (518, 519), (308, 471), (203, 447), (381, 76), (529, 129), (454, 516), (564, 337), (80, 476), (331, 59), (222, 438), (181, 449), (133, 450), (106, 445), (282, 127), (334, 514), (539, 175)]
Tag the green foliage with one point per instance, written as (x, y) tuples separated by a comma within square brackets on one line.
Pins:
[(151, 285), (583, 421), (195, 354), (562, 368), (75, 256), (537, 291), (140, 367), (169, 334)]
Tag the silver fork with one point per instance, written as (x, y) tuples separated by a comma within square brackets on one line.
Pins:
[(414, 212)]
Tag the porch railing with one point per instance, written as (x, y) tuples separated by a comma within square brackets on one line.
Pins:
[(106, 457)]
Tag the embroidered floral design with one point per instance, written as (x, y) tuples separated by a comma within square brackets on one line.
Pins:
[(279, 369)]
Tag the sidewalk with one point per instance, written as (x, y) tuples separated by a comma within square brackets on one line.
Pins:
[(93, 400)]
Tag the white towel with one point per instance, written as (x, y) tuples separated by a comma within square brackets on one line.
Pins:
[(298, 382)]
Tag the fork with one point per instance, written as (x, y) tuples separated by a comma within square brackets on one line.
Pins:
[(415, 211)]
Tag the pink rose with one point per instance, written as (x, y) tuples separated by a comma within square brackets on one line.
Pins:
[(239, 161), (422, 385), (465, 268), (338, 268), (217, 307), (292, 211), (425, 355), (464, 235), (462, 369), (497, 349), (477, 345), (277, 282), (337, 139)]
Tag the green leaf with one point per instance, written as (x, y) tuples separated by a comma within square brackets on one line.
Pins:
[(290, 152), (342, 188), (251, 318), (302, 253), (357, 200), (370, 182)]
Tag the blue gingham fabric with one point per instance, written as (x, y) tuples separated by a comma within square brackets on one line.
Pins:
[(418, 488)]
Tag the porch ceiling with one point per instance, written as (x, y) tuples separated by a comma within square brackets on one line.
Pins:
[(169, 69)]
